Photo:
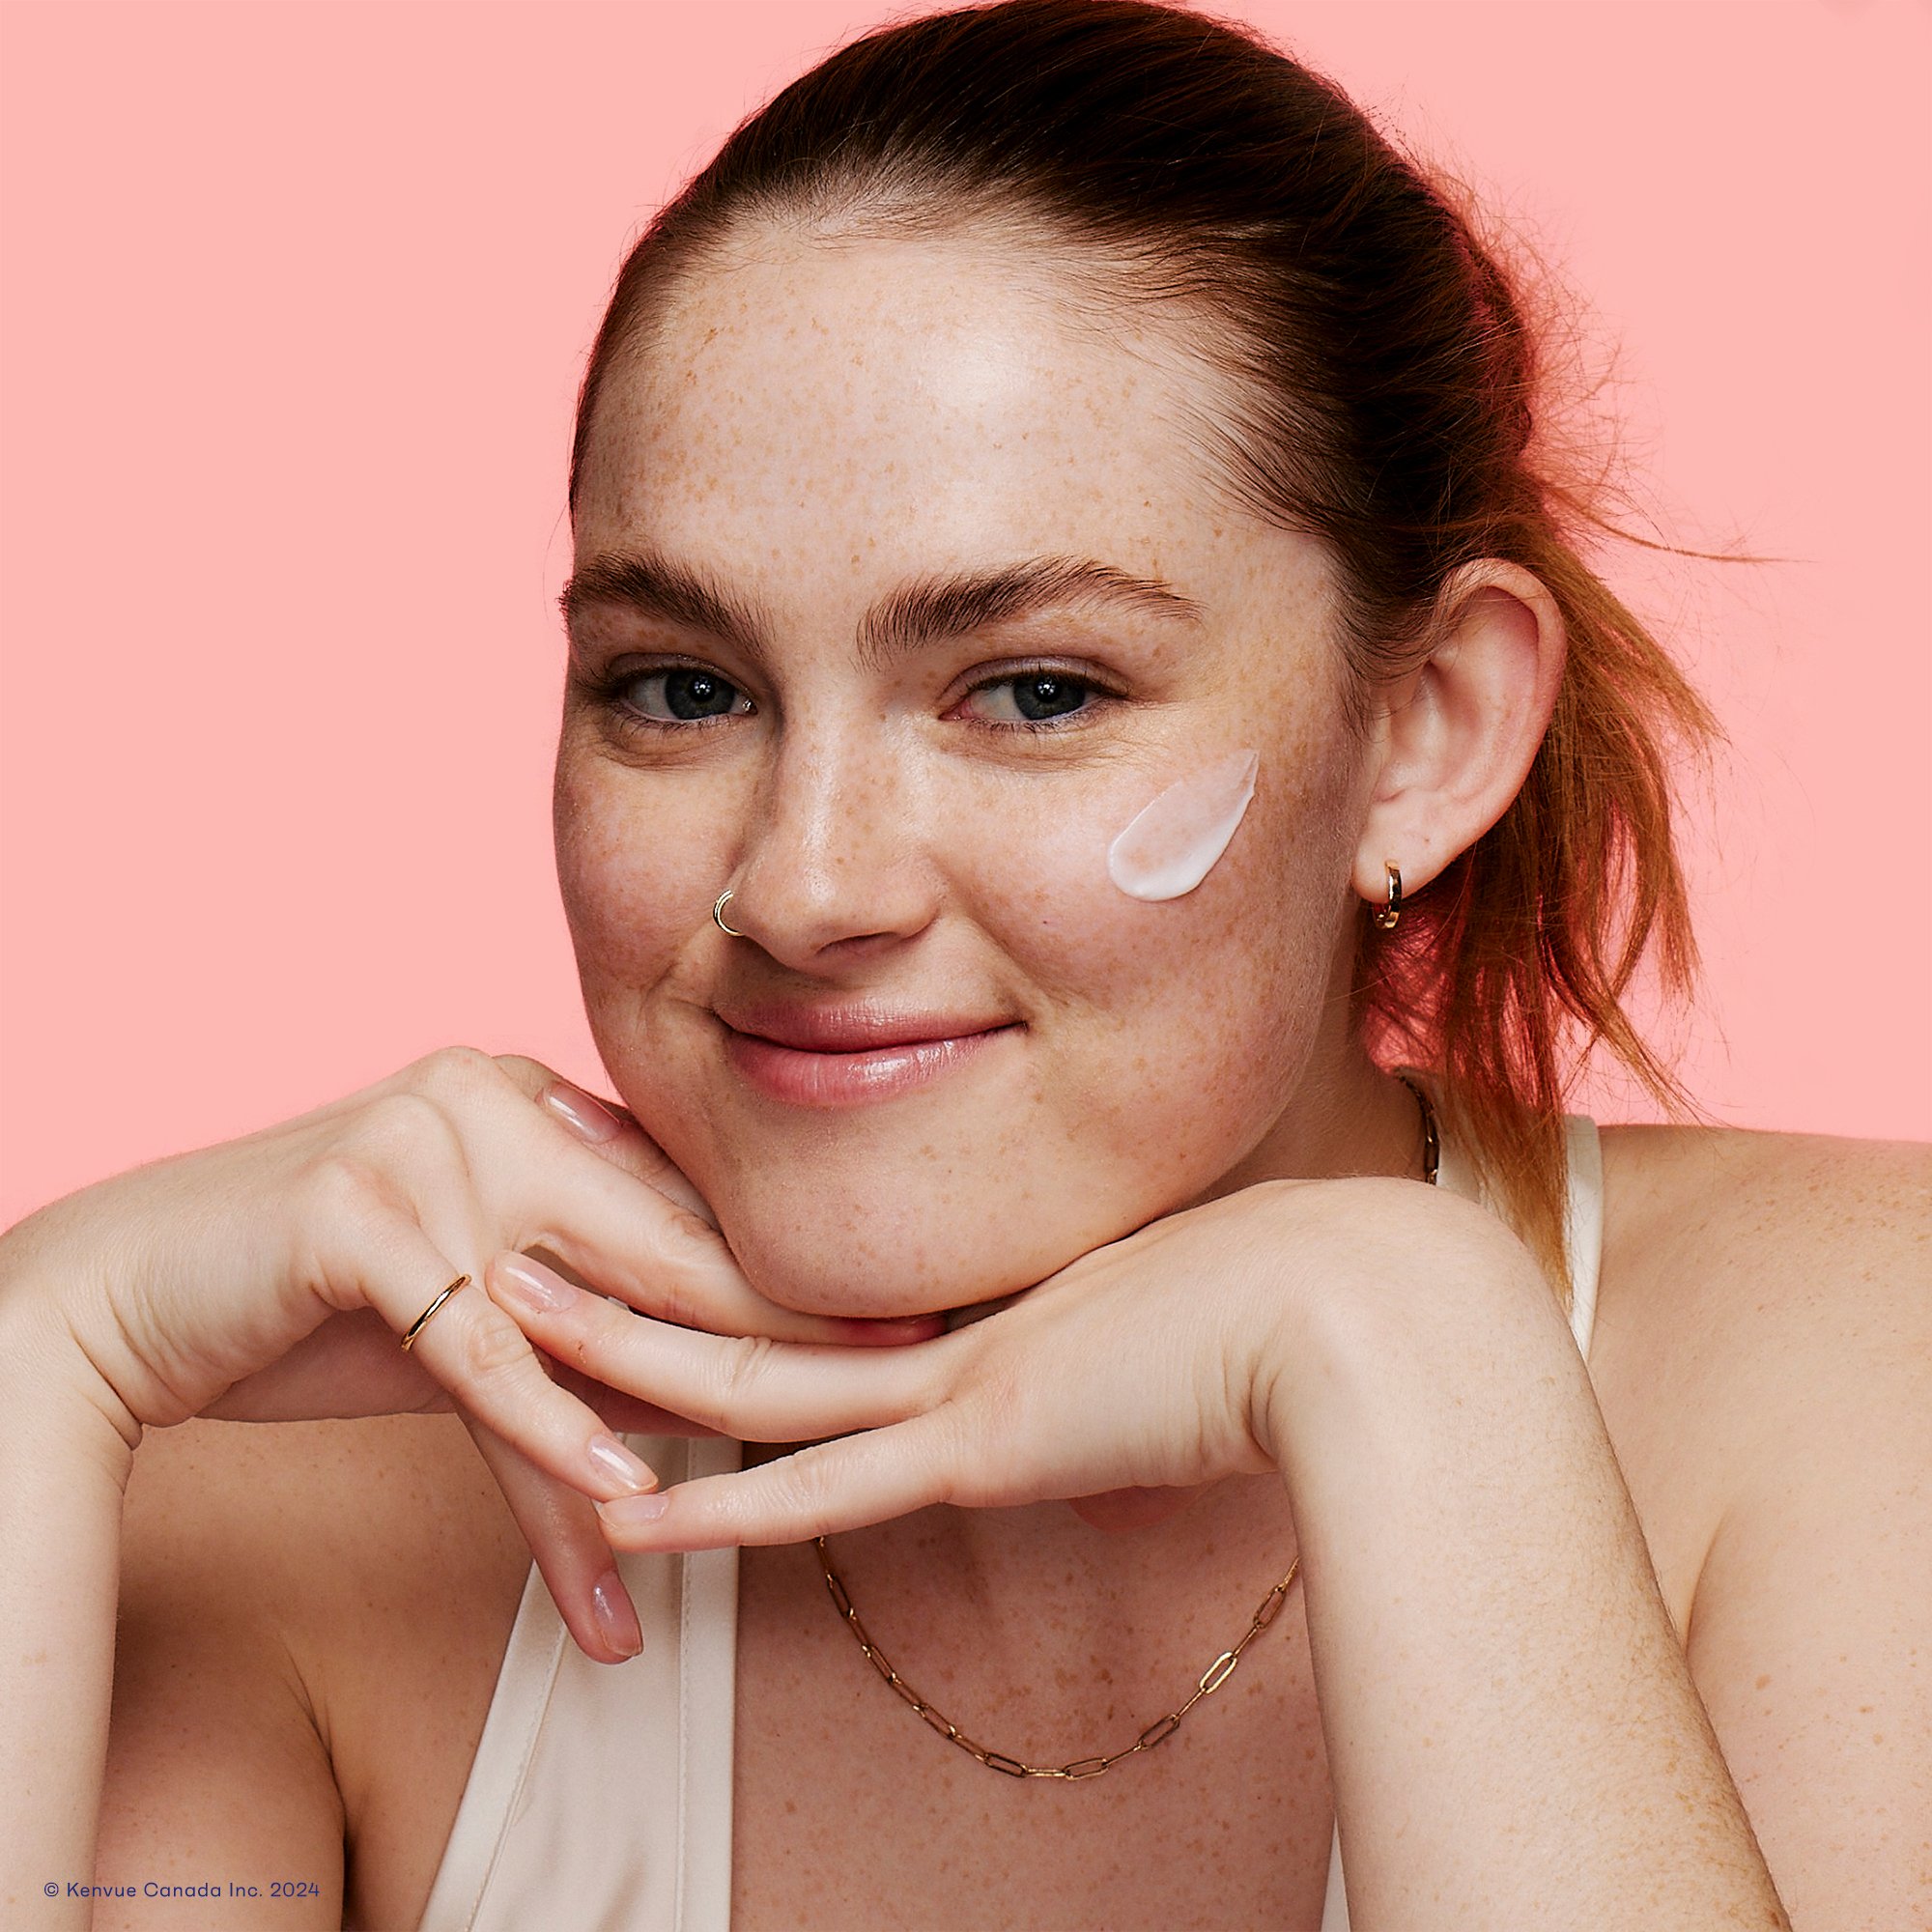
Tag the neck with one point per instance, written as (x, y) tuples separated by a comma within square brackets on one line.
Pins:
[(1346, 1117)]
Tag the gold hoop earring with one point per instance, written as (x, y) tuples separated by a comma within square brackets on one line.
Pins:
[(1386, 916), (724, 898)]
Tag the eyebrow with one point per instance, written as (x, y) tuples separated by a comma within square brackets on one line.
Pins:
[(923, 612)]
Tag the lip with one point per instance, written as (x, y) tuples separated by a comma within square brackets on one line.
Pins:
[(855, 1026), (850, 1054)]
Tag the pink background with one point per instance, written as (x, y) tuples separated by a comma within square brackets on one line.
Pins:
[(296, 300)]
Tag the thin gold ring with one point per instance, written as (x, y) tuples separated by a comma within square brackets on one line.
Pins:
[(724, 898), (421, 1321)]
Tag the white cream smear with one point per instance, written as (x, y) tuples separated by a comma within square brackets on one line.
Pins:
[(1169, 846)]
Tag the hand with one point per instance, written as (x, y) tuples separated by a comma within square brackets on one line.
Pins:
[(1147, 1364), (268, 1279)]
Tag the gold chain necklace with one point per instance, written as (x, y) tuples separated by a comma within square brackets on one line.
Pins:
[(1209, 1681)]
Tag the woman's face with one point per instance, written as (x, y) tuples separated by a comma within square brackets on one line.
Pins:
[(900, 588)]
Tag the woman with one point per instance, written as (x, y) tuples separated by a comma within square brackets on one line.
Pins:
[(1091, 770)]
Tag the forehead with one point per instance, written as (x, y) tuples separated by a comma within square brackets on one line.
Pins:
[(890, 403)]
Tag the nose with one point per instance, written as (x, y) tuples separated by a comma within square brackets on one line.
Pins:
[(835, 861)]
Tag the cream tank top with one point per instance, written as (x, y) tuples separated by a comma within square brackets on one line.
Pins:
[(600, 1799)]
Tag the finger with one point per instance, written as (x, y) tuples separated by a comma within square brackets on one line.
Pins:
[(627, 1414), (750, 1386), (567, 1542), (479, 1353), (634, 1242), (609, 1127), (654, 1256), (816, 1491)]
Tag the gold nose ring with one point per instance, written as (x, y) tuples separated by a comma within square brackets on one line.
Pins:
[(724, 898)]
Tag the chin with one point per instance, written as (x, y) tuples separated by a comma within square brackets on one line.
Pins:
[(860, 1258)]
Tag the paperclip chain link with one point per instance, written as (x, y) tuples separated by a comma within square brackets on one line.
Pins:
[(1158, 1732)]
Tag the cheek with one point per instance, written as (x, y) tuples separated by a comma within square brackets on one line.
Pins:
[(1168, 846), (633, 867), (1053, 882), (1171, 1030)]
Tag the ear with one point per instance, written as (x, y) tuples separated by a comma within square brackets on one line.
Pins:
[(1456, 739)]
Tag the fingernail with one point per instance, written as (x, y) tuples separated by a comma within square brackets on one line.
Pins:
[(531, 1285), (614, 1461), (587, 1118), (624, 1511), (616, 1621)]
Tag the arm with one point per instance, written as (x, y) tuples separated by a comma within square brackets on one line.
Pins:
[(210, 1767), (268, 1279), (1807, 1631), (1803, 1273), (217, 1769), (1512, 1730), (65, 1457)]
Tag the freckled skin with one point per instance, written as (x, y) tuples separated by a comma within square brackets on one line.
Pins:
[(813, 425), (1168, 846)]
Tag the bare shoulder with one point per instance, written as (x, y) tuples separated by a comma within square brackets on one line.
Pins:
[(1766, 1375), (312, 1619), (1790, 1229), (1755, 1286)]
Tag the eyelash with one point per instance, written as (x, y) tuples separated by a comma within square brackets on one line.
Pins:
[(608, 691)]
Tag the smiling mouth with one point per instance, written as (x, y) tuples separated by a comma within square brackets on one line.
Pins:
[(851, 1056), (853, 1025)]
